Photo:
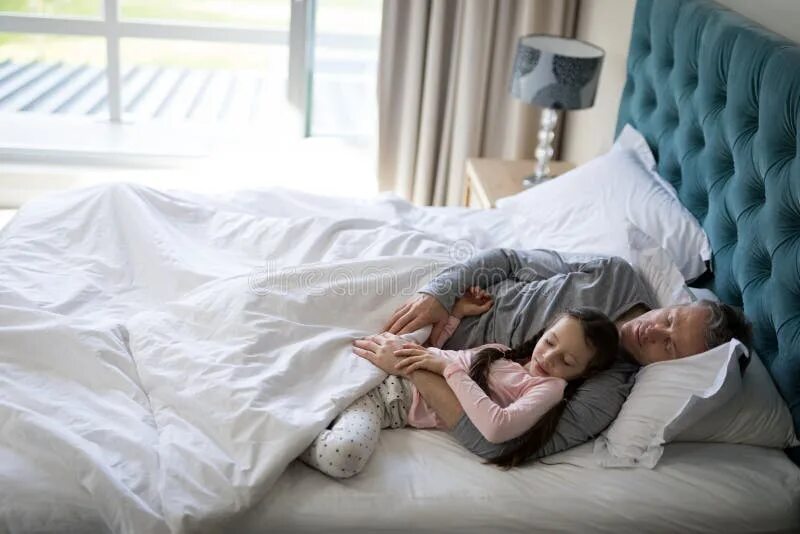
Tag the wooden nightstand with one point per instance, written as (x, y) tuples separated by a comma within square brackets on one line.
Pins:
[(490, 179)]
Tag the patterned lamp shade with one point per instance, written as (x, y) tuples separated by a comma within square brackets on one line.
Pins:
[(556, 72)]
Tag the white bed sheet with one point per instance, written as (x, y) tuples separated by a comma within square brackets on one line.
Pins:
[(423, 481), (79, 264)]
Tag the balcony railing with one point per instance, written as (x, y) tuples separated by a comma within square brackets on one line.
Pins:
[(146, 92), (232, 97)]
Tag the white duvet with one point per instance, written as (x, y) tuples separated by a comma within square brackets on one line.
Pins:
[(170, 354)]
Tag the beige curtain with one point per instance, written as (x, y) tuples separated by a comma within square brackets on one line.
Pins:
[(443, 94)]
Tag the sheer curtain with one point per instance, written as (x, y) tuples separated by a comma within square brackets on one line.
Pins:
[(443, 89)]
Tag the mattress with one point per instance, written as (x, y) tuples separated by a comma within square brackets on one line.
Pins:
[(423, 481)]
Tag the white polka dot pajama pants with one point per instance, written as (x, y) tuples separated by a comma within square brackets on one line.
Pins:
[(342, 450)]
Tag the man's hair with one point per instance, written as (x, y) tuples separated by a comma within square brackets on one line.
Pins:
[(725, 323)]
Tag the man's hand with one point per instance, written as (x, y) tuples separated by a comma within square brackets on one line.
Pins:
[(418, 311), (379, 350)]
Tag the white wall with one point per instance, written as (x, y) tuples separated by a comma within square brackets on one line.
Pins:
[(607, 23), (589, 132), (780, 16)]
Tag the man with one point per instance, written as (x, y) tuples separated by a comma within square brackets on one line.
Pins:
[(528, 289)]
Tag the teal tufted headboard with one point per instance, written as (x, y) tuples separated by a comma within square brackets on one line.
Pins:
[(718, 99)]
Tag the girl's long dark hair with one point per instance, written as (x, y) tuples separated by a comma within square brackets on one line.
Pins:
[(600, 333)]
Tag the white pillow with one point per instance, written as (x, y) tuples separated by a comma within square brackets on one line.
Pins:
[(699, 293), (758, 415), (593, 203), (667, 398), (656, 268)]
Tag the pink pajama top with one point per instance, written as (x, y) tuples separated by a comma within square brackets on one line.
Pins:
[(517, 399)]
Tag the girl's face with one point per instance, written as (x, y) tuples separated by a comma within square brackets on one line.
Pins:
[(562, 351)]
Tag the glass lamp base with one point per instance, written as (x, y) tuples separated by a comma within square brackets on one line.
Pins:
[(534, 180), (544, 150)]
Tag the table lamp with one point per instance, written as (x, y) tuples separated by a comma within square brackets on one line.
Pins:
[(554, 73)]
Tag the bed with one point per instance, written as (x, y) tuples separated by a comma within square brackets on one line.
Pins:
[(117, 398)]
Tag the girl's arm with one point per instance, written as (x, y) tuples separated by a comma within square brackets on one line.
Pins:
[(495, 423), (438, 395)]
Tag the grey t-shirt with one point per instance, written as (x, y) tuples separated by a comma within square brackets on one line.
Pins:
[(529, 288)]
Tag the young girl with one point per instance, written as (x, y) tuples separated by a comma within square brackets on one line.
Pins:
[(526, 386)]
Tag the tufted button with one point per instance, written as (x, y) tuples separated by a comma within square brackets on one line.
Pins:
[(766, 267), (697, 199), (721, 99), (786, 153), (792, 148), (724, 178), (722, 164), (759, 190), (698, 139), (649, 101), (791, 129), (672, 119), (673, 174), (742, 143), (761, 260)]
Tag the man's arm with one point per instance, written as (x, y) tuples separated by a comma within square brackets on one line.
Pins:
[(439, 396), (434, 302), (493, 266)]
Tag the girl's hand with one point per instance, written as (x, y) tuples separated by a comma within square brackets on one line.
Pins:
[(415, 357), (474, 302), (379, 350)]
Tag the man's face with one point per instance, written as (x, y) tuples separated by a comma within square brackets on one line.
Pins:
[(666, 334)]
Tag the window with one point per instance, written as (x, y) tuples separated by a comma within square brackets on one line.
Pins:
[(345, 66), (279, 67)]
